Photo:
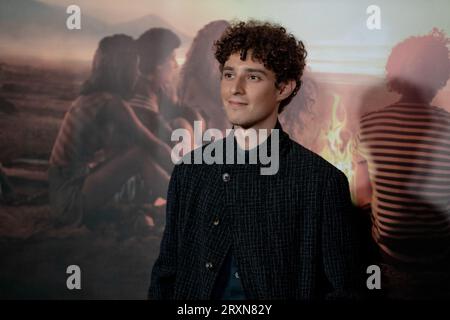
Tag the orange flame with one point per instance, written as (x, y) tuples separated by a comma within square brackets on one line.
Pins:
[(336, 150)]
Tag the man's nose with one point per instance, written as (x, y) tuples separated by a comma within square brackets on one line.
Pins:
[(238, 86)]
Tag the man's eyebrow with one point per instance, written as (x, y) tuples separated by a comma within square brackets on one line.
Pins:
[(256, 70), (247, 70)]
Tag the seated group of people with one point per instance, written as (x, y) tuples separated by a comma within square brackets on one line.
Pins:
[(114, 145)]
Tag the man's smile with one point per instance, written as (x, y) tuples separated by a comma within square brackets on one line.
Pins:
[(237, 103)]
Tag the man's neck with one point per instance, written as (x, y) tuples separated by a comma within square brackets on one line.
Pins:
[(254, 136)]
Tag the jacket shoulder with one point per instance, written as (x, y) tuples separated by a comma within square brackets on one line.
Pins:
[(312, 161)]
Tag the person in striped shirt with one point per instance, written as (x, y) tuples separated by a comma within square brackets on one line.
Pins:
[(92, 156), (406, 149)]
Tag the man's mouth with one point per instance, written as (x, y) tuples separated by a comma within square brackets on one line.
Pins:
[(234, 103)]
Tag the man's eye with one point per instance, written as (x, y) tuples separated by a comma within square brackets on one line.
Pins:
[(227, 75), (253, 77)]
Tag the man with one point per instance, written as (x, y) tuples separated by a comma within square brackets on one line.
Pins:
[(157, 66), (154, 102), (232, 233), (154, 98)]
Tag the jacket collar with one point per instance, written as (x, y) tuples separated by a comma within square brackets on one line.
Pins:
[(283, 142)]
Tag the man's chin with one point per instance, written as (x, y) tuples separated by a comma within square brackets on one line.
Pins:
[(241, 124)]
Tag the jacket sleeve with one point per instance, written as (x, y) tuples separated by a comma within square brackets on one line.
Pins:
[(165, 268), (340, 251)]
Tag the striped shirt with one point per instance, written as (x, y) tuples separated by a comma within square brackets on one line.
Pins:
[(84, 131), (407, 149)]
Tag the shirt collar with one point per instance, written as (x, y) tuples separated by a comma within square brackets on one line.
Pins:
[(283, 141)]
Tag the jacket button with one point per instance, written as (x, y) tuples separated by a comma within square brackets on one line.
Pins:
[(209, 265), (216, 222), (226, 177)]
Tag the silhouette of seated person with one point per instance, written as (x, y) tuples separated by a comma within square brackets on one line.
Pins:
[(404, 149)]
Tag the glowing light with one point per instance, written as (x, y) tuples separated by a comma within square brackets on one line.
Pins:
[(337, 150)]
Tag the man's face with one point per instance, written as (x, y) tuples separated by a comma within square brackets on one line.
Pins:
[(249, 94)]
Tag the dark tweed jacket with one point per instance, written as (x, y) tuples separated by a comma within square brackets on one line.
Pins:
[(292, 233)]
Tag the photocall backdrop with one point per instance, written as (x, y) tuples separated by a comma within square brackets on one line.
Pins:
[(46, 53)]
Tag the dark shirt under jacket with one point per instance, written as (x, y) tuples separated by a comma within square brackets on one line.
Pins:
[(292, 233), (228, 284)]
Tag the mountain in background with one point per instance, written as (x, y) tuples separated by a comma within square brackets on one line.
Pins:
[(32, 28), (137, 26)]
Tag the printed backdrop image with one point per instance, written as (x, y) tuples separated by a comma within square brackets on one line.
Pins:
[(374, 102)]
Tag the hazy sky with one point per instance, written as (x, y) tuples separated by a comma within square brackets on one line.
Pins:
[(340, 24), (312, 18)]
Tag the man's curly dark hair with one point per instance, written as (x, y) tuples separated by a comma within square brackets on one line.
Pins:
[(276, 49)]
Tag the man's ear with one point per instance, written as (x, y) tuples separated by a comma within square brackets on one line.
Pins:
[(285, 89)]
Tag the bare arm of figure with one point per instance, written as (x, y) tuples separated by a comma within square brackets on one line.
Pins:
[(123, 114)]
